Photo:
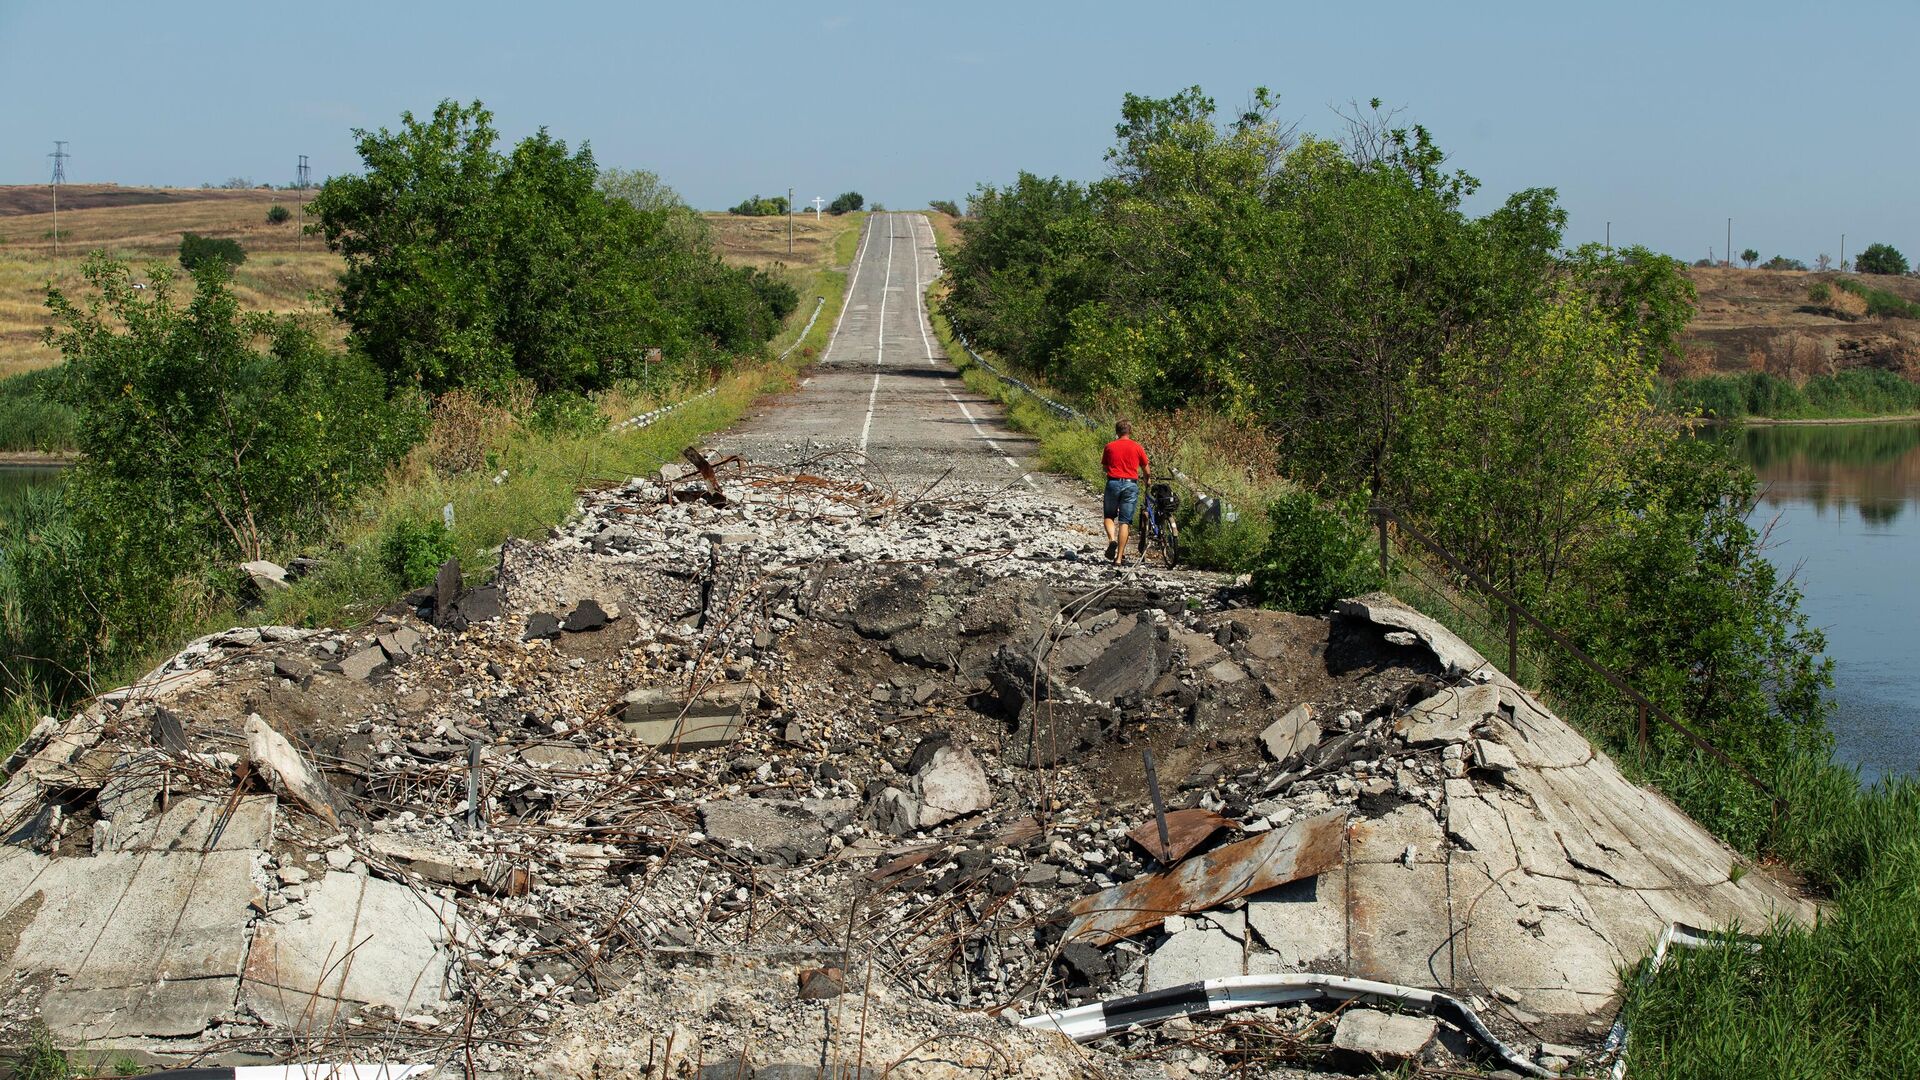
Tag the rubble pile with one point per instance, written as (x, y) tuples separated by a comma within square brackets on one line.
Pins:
[(754, 769)]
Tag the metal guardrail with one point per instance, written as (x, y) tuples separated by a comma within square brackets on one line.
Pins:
[(818, 303), (1517, 613)]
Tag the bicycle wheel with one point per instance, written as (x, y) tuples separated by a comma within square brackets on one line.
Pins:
[(1169, 549)]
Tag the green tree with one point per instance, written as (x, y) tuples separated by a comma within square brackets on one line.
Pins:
[(1749, 256), (197, 251), (466, 267), (1648, 294), (846, 202), (944, 206), (1881, 259), (647, 193)]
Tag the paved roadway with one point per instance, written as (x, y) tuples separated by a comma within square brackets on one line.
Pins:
[(884, 389)]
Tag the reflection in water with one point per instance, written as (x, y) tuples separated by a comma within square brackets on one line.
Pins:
[(1842, 500), (16, 479)]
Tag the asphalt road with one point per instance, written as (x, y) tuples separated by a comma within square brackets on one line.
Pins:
[(883, 389)]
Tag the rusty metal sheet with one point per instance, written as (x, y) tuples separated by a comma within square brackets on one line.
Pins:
[(1304, 849), (1186, 830)]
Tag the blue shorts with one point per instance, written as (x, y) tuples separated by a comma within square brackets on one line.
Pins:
[(1122, 500)]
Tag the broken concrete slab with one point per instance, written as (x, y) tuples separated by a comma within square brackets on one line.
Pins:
[(1193, 956), (1291, 735), (668, 718), (435, 864), (1384, 1036), (266, 576), (541, 626), (1494, 757), (283, 767), (399, 643), (1226, 672), (191, 824), (355, 941), (112, 928), (1455, 656), (562, 756), (361, 664), (778, 831), (1449, 716), (1302, 849), (1128, 666), (1303, 923), (1202, 651), (1073, 653)]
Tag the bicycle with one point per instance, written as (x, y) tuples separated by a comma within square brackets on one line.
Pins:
[(1159, 528)]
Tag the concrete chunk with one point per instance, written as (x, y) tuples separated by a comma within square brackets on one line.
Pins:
[(1193, 956), (1383, 1035), (665, 717), (1291, 735), (1128, 666)]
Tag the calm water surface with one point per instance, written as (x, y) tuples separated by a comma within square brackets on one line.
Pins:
[(1844, 503)]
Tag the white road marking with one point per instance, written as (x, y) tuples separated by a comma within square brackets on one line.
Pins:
[(982, 432), (879, 343), (919, 287), (859, 260)]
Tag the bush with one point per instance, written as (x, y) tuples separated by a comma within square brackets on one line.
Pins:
[(413, 552), (566, 413), (759, 207), (1877, 302), (776, 292), (278, 215), (846, 202), (1314, 556), (1881, 259), (197, 251), (945, 206)]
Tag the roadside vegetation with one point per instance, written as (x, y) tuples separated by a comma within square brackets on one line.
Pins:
[(32, 417), (1851, 394), (210, 434), (1502, 393)]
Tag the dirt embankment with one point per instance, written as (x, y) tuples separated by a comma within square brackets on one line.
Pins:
[(1763, 320)]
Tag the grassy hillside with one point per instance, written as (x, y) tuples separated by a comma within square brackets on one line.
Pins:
[(283, 273)]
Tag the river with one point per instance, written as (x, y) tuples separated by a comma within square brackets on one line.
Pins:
[(1843, 501)]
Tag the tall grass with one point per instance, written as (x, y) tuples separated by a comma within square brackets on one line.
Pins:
[(1858, 393), (29, 418)]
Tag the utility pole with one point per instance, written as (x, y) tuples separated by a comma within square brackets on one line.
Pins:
[(1609, 237), (789, 221), (1729, 241), (302, 176), (1843, 249), (59, 157)]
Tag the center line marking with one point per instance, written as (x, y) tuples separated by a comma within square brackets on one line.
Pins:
[(880, 341)]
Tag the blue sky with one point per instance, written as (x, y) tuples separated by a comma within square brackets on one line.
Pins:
[(1795, 119)]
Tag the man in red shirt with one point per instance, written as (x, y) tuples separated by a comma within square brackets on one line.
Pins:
[(1125, 462)]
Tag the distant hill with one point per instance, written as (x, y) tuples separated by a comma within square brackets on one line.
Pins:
[(38, 198), (1762, 320)]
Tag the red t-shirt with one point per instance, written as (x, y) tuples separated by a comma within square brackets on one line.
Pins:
[(1124, 459)]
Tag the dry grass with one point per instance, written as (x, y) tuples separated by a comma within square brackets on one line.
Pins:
[(1763, 320), (285, 271), (762, 241)]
